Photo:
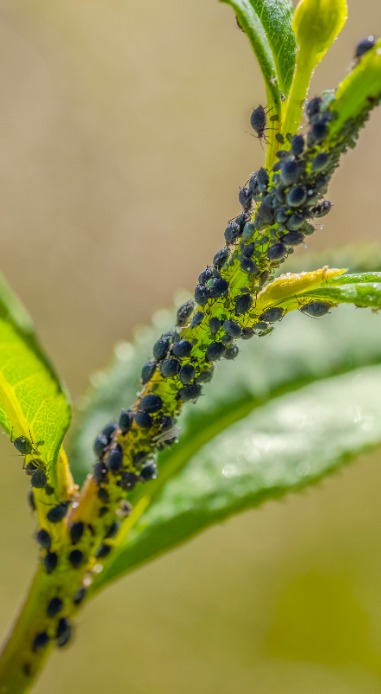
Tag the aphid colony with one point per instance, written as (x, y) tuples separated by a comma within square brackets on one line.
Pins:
[(182, 361), (287, 198), (257, 241)]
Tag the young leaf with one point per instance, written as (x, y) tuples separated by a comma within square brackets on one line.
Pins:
[(291, 291), (361, 87), (362, 290), (268, 27), (284, 446), (33, 402), (316, 23)]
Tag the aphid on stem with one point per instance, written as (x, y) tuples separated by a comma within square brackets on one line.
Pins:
[(258, 121)]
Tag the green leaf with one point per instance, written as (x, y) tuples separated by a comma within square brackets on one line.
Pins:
[(361, 87), (316, 23), (268, 27), (33, 402), (287, 444), (362, 290), (291, 291)]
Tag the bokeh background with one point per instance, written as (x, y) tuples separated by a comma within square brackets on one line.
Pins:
[(123, 140)]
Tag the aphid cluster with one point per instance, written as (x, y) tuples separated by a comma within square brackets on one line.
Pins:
[(257, 241), (277, 209)]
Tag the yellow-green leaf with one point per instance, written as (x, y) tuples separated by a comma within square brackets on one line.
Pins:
[(316, 24), (33, 402)]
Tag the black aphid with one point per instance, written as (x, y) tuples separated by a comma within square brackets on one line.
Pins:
[(245, 198), (182, 348), (297, 196), (214, 325), (151, 403), (201, 295), (43, 539), (148, 371), (217, 287), (243, 304), (76, 531), (125, 421), (99, 472), (272, 315), (143, 420), (128, 481), (315, 309), (205, 275), (103, 551), (79, 596), (293, 238), (40, 641), (57, 513), (232, 232), (265, 214), (161, 347), (214, 351), (197, 319), (295, 221), (232, 328), (112, 530), (64, 632), (184, 313), (31, 501), (247, 333), (318, 132), (148, 472), (39, 479), (320, 162), (364, 46), (322, 208), (54, 606), (231, 352), (115, 460), (170, 368), (289, 172), (258, 121), (50, 562), (262, 180), (103, 495), (100, 445), (313, 107), (277, 251), (187, 374), (248, 266), (297, 145), (108, 431), (191, 392), (220, 258), (76, 558)]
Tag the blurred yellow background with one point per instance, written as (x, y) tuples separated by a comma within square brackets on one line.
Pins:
[(123, 140)]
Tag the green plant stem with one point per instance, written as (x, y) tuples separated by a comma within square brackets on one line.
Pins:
[(19, 665), (293, 107)]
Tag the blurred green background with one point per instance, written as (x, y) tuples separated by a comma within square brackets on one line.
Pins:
[(123, 140)]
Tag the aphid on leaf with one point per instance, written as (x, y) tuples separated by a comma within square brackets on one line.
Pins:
[(26, 446)]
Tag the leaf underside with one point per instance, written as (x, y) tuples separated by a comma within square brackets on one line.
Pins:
[(268, 28)]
